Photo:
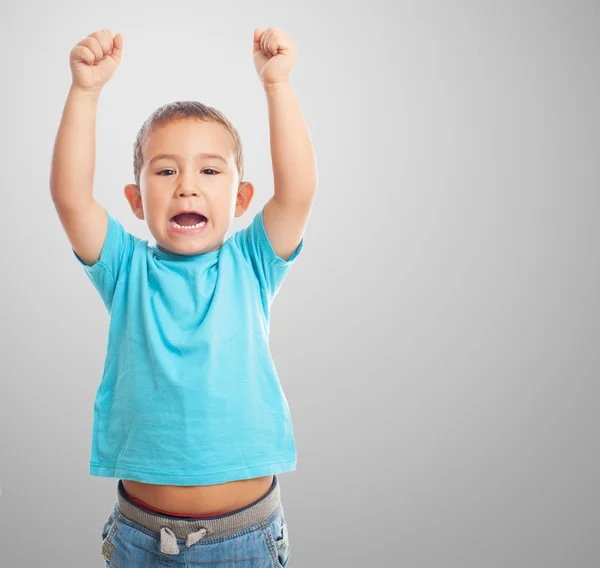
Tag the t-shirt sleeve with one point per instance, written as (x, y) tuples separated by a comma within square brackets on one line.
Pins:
[(113, 262), (269, 268)]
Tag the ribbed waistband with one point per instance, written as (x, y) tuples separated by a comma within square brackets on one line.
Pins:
[(216, 527)]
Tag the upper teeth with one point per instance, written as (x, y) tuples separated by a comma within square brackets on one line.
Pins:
[(196, 226)]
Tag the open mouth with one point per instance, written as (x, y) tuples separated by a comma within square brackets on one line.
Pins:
[(189, 221)]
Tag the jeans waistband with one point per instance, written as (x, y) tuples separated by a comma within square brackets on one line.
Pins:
[(211, 527)]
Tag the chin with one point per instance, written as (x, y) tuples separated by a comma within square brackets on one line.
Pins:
[(193, 248), (188, 249)]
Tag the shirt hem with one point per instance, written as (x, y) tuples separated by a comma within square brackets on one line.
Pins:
[(182, 478)]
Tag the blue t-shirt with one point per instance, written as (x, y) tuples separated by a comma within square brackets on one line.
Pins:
[(190, 394)]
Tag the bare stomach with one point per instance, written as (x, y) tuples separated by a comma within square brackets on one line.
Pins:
[(200, 499)]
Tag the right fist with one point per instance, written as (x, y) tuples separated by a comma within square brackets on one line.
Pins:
[(95, 59)]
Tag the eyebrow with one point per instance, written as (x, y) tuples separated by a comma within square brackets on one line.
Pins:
[(200, 155)]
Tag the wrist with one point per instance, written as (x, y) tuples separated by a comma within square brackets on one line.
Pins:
[(85, 92), (276, 85)]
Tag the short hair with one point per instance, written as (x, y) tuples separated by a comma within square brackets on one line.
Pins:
[(172, 112)]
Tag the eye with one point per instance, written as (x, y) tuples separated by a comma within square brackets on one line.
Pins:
[(215, 172)]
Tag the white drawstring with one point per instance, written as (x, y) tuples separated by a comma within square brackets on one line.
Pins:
[(168, 540)]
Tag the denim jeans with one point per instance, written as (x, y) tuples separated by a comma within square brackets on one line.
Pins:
[(254, 536)]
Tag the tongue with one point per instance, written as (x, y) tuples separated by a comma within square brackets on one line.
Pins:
[(188, 219)]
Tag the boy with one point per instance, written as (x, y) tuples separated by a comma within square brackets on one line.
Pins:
[(189, 414)]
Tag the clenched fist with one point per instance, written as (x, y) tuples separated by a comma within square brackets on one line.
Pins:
[(95, 59)]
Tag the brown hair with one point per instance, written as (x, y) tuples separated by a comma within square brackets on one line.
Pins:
[(179, 110)]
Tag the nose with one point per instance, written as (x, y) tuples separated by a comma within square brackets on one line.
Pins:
[(186, 187), (185, 191)]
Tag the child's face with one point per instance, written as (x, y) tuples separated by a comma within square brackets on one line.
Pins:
[(186, 182)]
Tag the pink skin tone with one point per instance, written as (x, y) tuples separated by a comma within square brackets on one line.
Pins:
[(186, 182)]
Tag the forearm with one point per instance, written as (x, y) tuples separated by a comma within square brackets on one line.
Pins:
[(294, 167), (73, 159)]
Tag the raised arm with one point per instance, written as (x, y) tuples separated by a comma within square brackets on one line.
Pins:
[(294, 168), (93, 61)]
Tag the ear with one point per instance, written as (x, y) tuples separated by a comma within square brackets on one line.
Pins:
[(244, 197), (134, 197)]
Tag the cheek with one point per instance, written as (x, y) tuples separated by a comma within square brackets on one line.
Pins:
[(155, 213), (220, 200), (156, 202)]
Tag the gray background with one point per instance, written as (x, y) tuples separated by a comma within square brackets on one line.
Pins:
[(437, 339)]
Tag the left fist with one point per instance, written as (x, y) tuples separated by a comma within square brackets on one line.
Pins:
[(274, 55)]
